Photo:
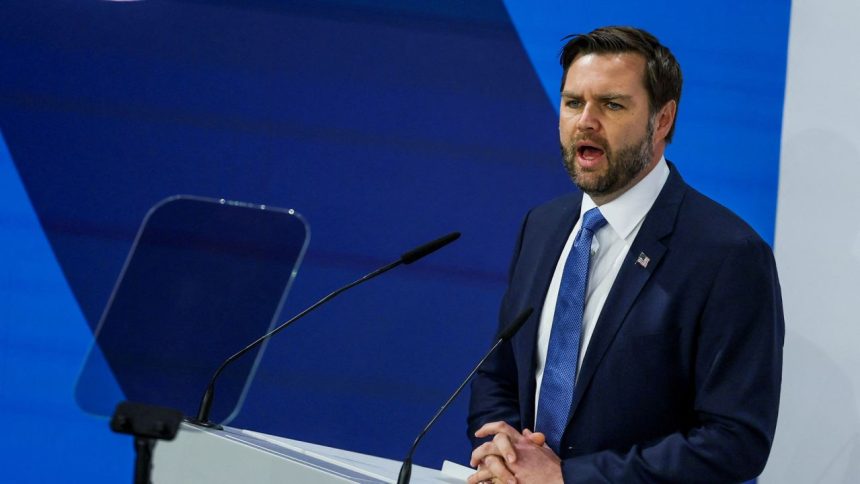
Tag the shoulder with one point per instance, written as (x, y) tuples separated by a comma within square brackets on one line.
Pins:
[(706, 237), (700, 235), (702, 218)]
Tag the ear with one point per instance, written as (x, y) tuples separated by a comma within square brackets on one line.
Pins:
[(665, 119)]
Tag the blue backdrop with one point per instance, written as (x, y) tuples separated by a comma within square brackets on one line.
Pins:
[(385, 123)]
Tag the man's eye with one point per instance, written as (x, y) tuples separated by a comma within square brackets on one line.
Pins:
[(574, 103), (614, 106)]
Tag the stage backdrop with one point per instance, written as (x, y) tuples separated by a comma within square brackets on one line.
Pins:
[(385, 124), (818, 248)]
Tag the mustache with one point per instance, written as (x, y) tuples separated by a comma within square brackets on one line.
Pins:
[(593, 139), (568, 149)]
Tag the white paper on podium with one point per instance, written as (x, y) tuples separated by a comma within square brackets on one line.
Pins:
[(456, 471), (385, 470)]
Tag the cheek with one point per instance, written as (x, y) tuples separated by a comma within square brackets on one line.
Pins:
[(566, 128), (619, 136), (631, 132)]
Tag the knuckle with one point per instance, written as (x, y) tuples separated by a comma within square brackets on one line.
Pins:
[(486, 448)]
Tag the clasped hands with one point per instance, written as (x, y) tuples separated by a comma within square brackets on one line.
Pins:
[(513, 457)]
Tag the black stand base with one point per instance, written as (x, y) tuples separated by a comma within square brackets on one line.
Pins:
[(208, 425)]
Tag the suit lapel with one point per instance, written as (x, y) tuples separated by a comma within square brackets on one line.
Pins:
[(632, 277)]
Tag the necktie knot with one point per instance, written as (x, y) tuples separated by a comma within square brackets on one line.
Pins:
[(593, 220)]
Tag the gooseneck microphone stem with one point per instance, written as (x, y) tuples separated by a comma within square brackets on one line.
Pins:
[(406, 468), (206, 403), (407, 258), (504, 335)]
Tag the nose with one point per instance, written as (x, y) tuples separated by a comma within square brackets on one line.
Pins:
[(588, 119)]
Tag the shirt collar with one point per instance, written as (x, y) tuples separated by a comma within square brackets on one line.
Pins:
[(625, 212)]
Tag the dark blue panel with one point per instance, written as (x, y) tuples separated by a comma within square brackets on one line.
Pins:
[(385, 125)]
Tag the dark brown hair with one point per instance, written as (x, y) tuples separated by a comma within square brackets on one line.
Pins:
[(662, 76)]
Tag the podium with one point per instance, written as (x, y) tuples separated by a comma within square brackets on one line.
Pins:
[(231, 455)]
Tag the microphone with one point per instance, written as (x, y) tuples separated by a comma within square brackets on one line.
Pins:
[(428, 248), (504, 335), (409, 257)]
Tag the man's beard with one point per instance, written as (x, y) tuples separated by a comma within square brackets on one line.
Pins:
[(621, 166)]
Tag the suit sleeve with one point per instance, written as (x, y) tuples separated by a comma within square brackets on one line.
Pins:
[(738, 371), (495, 390)]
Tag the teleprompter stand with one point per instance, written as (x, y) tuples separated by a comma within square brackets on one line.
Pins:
[(148, 424)]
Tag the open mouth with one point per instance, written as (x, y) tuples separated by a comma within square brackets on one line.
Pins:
[(589, 152)]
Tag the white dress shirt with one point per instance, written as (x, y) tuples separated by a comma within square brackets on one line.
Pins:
[(609, 247)]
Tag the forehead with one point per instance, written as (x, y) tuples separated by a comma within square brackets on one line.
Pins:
[(624, 72)]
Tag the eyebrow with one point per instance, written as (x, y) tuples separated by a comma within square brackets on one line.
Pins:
[(610, 96)]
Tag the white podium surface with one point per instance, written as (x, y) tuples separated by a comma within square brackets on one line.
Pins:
[(199, 455)]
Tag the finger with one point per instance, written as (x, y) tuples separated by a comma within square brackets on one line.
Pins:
[(496, 428), (505, 448), (481, 452), (480, 477), (497, 468), (483, 475)]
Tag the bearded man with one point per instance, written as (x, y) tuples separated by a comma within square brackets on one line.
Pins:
[(654, 353)]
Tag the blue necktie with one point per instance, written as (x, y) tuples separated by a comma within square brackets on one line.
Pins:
[(559, 375)]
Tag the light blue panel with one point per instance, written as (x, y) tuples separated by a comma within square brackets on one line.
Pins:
[(541, 25), (733, 56), (43, 341)]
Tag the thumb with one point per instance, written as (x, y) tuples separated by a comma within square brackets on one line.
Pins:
[(537, 438)]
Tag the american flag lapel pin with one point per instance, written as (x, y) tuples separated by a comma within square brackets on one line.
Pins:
[(643, 259)]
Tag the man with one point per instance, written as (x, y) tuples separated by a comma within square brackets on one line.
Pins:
[(655, 350)]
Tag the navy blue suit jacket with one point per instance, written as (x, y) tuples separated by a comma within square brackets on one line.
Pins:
[(681, 378)]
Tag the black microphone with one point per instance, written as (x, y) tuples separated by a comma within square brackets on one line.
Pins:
[(504, 335), (428, 248), (407, 258)]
